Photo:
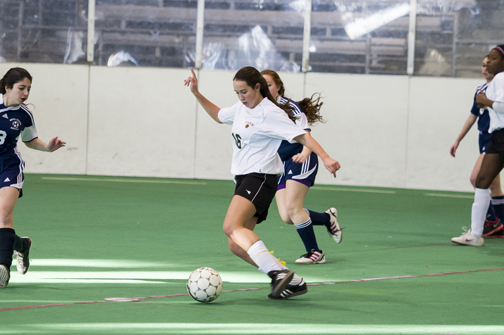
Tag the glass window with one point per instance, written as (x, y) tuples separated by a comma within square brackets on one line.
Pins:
[(346, 36), (43, 31), (359, 36), (453, 37), (145, 32), (264, 34)]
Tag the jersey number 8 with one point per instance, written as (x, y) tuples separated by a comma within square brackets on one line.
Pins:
[(3, 135)]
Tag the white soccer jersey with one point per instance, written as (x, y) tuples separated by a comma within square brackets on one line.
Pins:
[(256, 136), (495, 92)]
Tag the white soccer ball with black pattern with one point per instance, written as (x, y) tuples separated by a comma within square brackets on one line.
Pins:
[(204, 284)]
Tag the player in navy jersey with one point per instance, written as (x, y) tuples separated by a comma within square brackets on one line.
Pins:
[(259, 124), (493, 225), (15, 120), (493, 160), (300, 170)]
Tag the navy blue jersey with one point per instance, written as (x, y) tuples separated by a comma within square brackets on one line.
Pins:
[(482, 114), (287, 149), (14, 121)]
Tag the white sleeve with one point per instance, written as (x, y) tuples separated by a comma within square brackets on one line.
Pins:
[(227, 115), (302, 121), (29, 134), (498, 93), (281, 127), (498, 107)]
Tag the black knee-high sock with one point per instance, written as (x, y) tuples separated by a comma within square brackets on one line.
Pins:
[(319, 219), (19, 244), (7, 240)]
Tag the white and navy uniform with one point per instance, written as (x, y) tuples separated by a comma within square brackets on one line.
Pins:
[(256, 137), (305, 172), (495, 92), (14, 121), (483, 121)]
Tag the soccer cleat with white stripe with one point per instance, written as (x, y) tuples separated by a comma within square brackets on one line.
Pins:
[(291, 291), (468, 238), (22, 258), (279, 280), (312, 257), (334, 228), (4, 276)]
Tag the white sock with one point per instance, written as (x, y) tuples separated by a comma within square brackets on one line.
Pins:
[(479, 210), (263, 259)]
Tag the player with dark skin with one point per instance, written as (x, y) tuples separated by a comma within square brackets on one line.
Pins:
[(493, 160)]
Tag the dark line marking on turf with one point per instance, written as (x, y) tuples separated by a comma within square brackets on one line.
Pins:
[(138, 299)]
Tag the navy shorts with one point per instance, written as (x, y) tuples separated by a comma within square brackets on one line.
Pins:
[(496, 145), (260, 189), (484, 140), (12, 176), (303, 173)]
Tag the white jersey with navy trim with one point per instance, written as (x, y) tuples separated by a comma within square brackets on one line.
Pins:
[(495, 92), (256, 135)]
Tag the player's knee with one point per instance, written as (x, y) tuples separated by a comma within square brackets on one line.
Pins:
[(482, 182), (286, 218), (473, 181), (228, 229), (235, 249)]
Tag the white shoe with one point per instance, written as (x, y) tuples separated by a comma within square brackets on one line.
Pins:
[(468, 238), (4, 276), (334, 228), (312, 257)]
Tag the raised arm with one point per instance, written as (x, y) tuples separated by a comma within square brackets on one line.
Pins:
[(308, 141), (207, 105)]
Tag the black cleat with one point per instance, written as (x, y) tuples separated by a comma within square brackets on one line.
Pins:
[(279, 281), (22, 258), (493, 228), (291, 291)]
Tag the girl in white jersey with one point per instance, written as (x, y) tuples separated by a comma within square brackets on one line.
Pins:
[(259, 125), (300, 170), (493, 225), (493, 160), (15, 120)]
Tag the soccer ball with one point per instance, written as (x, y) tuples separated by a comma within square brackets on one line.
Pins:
[(204, 284)]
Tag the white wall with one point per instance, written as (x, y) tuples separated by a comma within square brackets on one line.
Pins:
[(390, 131)]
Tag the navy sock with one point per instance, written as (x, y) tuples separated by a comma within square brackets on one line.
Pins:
[(7, 240), (498, 206), (305, 231), (490, 213), (319, 219)]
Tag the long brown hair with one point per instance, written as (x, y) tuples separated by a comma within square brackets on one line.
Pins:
[(310, 106), (13, 76), (252, 77)]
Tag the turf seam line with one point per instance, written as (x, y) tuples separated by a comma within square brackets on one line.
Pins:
[(138, 299)]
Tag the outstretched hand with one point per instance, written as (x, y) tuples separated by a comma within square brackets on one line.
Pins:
[(55, 144), (192, 82)]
